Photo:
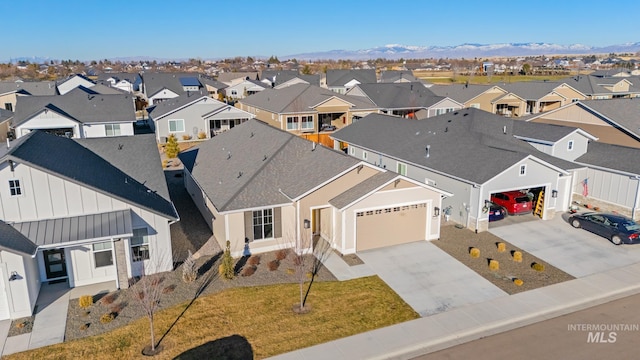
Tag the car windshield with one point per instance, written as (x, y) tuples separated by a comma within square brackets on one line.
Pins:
[(522, 199), (631, 226)]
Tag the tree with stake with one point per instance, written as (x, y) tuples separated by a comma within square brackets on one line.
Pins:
[(149, 289)]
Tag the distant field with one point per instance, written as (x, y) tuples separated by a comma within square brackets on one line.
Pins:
[(447, 77)]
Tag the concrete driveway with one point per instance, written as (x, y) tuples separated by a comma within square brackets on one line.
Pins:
[(575, 251), (427, 278)]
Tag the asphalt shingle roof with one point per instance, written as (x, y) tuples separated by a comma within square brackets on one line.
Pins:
[(459, 92), (12, 240), (340, 77), (362, 189), (624, 112), (156, 81), (613, 157), (35, 88), (78, 105), (93, 163), (299, 98), (400, 95), (254, 165), (465, 144), (541, 131)]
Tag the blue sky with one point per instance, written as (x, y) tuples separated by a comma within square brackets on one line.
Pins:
[(92, 29)]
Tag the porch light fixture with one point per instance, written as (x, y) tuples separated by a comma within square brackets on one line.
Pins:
[(307, 223), (14, 276), (554, 193), (436, 211)]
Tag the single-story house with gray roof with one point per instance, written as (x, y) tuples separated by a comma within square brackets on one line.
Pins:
[(470, 153), (103, 216), (265, 189), (80, 113)]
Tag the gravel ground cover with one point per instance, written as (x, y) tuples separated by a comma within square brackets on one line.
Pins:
[(458, 243)]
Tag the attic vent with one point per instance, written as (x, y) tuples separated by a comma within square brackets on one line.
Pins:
[(120, 146), (239, 174), (465, 114), (455, 113), (229, 155), (427, 150)]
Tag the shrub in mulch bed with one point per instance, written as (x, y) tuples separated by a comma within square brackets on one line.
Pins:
[(108, 299), (273, 265), (254, 260), (248, 270), (281, 254), (168, 289), (107, 318)]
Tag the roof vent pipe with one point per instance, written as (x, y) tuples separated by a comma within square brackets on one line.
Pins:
[(427, 150), (313, 146), (504, 129)]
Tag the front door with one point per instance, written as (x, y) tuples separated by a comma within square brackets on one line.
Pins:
[(54, 263)]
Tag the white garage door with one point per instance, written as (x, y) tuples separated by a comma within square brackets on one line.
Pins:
[(391, 226), (4, 304)]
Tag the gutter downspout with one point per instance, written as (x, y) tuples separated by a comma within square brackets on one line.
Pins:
[(479, 207)]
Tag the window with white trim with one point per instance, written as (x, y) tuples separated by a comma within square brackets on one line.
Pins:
[(112, 129), (176, 125), (401, 168), (292, 123), (570, 145), (262, 224), (475, 105), (140, 244), (307, 122), (14, 187), (523, 170), (102, 254)]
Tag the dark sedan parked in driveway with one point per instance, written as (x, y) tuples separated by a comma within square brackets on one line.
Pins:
[(617, 228)]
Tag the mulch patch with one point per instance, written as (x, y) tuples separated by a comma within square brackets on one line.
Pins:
[(458, 243), (21, 326)]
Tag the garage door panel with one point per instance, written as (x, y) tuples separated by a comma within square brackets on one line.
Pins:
[(390, 226)]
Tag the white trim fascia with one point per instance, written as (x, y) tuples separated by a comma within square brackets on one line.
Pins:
[(492, 87), (228, 212), (333, 97), (532, 158), (509, 93), (30, 117), (83, 242), (572, 88), (614, 171), (181, 107), (446, 98)]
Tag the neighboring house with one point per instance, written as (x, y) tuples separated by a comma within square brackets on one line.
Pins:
[(158, 87), (614, 121), (398, 76), (284, 78), (76, 114), (470, 153), (612, 179), (599, 88), (563, 142), (10, 91), (73, 82), (82, 211), (244, 88), (264, 189), (305, 108), (196, 116), (409, 100), (524, 98), (341, 81), (214, 88), (129, 82), (5, 125), (229, 77), (470, 95)]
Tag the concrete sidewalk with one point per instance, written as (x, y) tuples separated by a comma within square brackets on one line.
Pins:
[(443, 330)]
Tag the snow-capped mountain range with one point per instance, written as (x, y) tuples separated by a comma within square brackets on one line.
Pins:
[(396, 51)]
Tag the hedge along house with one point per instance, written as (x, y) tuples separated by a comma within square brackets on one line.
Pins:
[(264, 189), (470, 153), (80, 211)]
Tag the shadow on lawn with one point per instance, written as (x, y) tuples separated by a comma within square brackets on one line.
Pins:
[(206, 278), (231, 347)]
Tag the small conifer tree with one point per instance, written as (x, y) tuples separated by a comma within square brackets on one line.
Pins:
[(226, 268), (172, 149)]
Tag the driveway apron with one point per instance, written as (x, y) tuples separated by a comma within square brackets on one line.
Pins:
[(427, 278)]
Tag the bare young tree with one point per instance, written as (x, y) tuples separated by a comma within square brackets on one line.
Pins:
[(149, 289)]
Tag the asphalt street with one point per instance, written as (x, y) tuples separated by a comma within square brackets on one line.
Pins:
[(607, 331)]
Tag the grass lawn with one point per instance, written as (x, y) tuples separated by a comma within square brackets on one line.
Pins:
[(251, 322)]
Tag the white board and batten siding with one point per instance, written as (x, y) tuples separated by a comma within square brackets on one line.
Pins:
[(46, 196), (99, 130), (20, 294)]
